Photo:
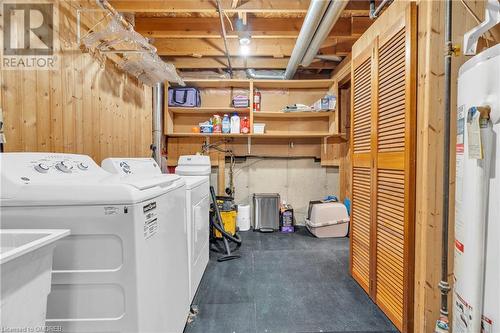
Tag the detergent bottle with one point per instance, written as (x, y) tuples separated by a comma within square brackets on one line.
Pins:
[(226, 124), (235, 124)]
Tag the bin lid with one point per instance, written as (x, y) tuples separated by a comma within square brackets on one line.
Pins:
[(327, 213)]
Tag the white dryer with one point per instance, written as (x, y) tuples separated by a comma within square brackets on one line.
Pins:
[(197, 206), (114, 273), (195, 169)]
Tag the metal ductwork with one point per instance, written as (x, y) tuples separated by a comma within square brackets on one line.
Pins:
[(158, 100), (312, 20), (328, 57), (329, 19), (251, 73)]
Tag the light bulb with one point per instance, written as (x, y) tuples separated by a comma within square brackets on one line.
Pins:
[(244, 50), (244, 46)]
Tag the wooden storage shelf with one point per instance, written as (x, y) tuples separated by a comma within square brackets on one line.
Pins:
[(194, 135), (292, 84), (260, 84), (216, 96), (209, 110), (297, 114), (213, 83), (297, 134)]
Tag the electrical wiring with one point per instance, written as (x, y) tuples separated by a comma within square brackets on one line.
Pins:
[(206, 150)]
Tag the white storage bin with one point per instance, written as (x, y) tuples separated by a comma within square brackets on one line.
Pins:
[(26, 272), (327, 219), (259, 128)]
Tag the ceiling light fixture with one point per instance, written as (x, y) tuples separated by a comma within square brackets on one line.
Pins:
[(245, 46)]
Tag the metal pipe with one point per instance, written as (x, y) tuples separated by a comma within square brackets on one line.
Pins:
[(158, 100), (311, 22), (224, 37), (443, 284), (327, 57), (251, 73), (331, 17), (375, 12)]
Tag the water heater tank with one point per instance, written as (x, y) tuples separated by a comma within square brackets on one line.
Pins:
[(476, 292)]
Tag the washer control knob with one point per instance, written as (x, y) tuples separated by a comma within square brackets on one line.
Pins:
[(125, 167), (42, 168), (83, 166), (63, 167)]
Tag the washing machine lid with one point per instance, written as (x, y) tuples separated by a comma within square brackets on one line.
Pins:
[(131, 166), (196, 181), (39, 179), (193, 165)]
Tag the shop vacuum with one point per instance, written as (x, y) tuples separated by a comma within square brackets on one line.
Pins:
[(223, 228)]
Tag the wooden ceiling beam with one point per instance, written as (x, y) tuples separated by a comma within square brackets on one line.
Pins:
[(277, 48), (208, 6), (185, 27), (240, 63)]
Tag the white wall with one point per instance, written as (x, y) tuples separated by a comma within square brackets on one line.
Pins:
[(297, 180)]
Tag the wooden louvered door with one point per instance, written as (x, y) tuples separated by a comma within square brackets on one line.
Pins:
[(383, 174)]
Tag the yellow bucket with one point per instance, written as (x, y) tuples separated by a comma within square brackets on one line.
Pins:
[(229, 223)]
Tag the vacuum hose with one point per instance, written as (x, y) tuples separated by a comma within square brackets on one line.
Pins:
[(236, 238)]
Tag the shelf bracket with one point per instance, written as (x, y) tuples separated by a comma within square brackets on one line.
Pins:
[(249, 145)]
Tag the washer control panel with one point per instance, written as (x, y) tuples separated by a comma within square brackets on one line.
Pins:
[(62, 165), (130, 166), (29, 167)]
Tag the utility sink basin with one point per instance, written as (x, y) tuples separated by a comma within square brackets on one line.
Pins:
[(26, 270)]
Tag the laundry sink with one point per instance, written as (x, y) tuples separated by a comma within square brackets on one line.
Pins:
[(26, 269)]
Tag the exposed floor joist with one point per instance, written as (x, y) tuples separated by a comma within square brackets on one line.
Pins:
[(276, 48), (188, 32), (173, 27), (208, 6), (240, 63)]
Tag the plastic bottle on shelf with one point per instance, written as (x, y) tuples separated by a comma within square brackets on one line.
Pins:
[(245, 125), (235, 124), (226, 124), (217, 123)]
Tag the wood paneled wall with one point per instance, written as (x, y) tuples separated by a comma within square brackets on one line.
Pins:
[(430, 151), (430, 89), (80, 107)]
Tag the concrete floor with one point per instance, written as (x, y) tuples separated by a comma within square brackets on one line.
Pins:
[(285, 283)]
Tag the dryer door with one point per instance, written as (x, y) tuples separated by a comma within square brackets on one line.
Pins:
[(200, 226)]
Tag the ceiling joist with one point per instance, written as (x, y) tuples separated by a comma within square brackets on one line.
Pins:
[(276, 48), (240, 63), (208, 6), (187, 27), (188, 32)]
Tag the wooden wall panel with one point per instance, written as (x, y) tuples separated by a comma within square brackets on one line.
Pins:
[(80, 107), (429, 194), (340, 153)]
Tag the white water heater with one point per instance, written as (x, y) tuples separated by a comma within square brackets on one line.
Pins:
[(476, 295)]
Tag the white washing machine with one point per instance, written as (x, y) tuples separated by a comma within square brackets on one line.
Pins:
[(197, 207), (114, 273)]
